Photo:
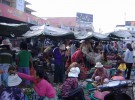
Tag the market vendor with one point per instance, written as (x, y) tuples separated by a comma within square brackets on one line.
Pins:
[(100, 71)]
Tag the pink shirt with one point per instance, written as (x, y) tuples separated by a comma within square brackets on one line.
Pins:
[(118, 78), (42, 88), (102, 73), (100, 95)]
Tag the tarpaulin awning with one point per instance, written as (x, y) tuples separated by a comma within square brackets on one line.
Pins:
[(49, 31), (82, 35), (90, 35), (120, 34), (53, 32), (56, 33), (34, 31), (29, 34), (13, 30), (100, 36), (12, 24)]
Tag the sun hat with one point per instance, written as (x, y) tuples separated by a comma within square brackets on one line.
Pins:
[(6, 42), (98, 65), (14, 80), (74, 72)]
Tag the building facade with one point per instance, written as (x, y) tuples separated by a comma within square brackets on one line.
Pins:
[(16, 11), (129, 26), (68, 23)]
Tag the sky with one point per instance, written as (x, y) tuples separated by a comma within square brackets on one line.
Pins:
[(106, 13)]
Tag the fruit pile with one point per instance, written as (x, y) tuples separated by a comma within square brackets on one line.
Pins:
[(29, 93)]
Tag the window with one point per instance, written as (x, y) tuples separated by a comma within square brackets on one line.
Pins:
[(27, 11), (6, 2)]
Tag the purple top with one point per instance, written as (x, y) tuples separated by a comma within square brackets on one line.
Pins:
[(57, 56)]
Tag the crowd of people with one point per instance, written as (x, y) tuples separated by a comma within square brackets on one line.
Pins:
[(70, 62)]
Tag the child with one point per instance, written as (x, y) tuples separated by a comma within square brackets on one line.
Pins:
[(12, 92), (42, 87), (122, 67)]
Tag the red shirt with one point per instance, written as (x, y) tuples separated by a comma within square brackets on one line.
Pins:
[(77, 55)]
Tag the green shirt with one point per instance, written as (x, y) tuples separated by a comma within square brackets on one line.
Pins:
[(24, 58), (89, 86)]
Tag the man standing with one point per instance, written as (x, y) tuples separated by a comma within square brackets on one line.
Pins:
[(24, 59), (6, 58)]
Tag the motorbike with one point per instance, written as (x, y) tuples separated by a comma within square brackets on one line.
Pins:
[(113, 90)]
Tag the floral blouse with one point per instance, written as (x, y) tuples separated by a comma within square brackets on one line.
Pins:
[(68, 85), (12, 93)]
